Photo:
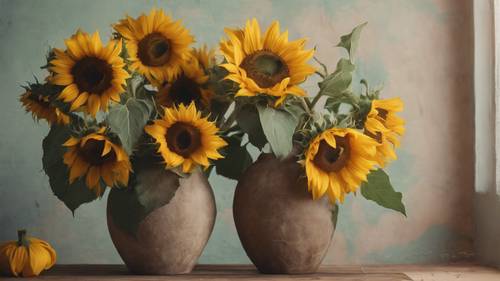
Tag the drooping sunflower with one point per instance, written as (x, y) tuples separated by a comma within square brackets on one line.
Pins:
[(156, 44), (383, 125), (92, 74), (40, 107), (385, 149), (98, 157), (382, 118), (337, 161), (189, 86), (26, 257), (266, 64), (185, 138)]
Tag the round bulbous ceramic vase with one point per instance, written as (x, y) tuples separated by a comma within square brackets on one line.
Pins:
[(171, 238), (282, 229)]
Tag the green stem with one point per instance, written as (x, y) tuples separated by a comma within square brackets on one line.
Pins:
[(316, 99), (306, 104), (320, 74), (21, 238), (157, 109), (322, 66)]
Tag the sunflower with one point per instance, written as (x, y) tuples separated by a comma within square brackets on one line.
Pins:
[(205, 56), (385, 149), (156, 44), (41, 108), (98, 157), (382, 118), (189, 86), (266, 64), (383, 125), (338, 161), (91, 73), (185, 138)]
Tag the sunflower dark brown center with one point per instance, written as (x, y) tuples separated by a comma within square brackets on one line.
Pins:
[(183, 139), (265, 68), (41, 100), (91, 152), (331, 159), (92, 75), (154, 50), (183, 91)]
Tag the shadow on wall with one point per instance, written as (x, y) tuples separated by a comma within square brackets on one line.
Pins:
[(487, 210)]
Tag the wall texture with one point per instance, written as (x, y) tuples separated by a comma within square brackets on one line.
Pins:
[(420, 50)]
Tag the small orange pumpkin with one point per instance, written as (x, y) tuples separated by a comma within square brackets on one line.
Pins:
[(26, 257)]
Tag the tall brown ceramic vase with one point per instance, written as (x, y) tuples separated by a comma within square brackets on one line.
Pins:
[(171, 238), (281, 228)]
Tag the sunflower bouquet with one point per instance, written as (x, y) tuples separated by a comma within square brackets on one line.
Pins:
[(341, 147), (316, 147), (148, 98)]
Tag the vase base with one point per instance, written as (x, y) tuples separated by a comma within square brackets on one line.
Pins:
[(171, 238), (282, 230)]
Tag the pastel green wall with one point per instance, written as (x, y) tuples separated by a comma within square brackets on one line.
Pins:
[(421, 51)]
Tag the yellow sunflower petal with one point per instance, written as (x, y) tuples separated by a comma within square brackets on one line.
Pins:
[(245, 48), (158, 31), (39, 259), (70, 67), (18, 260), (203, 141), (351, 166)]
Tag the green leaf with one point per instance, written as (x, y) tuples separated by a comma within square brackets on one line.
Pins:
[(217, 82), (125, 209), (344, 65), (332, 105), (236, 159), (136, 87), (249, 121), (335, 215), (155, 187), (350, 41), (218, 109), (208, 171), (338, 82), (279, 127), (150, 188), (72, 195), (378, 188), (294, 107), (128, 121)]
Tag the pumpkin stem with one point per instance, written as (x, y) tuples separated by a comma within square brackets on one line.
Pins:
[(21, 238)]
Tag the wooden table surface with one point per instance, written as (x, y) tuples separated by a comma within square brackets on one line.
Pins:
[(248, 272)]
